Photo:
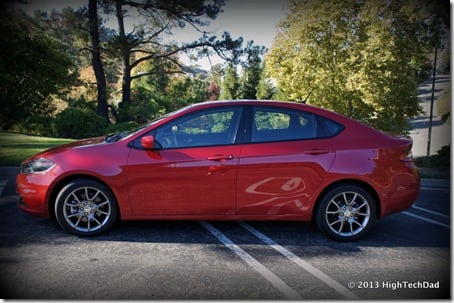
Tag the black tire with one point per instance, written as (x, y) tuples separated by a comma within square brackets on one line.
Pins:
[(346, 213), (86, 208)]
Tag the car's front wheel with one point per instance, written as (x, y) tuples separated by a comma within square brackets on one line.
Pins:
[(86, 208), (346, 213)]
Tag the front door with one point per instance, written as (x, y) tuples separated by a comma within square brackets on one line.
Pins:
[(194, 170)]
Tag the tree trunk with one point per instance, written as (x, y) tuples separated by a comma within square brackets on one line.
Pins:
[(98, 67), (126, 84), (125, 55)]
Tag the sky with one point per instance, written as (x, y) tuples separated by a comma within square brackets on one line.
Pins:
[(251, 19), (255, 20)]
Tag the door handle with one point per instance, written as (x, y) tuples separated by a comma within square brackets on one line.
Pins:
[(316, 152), (220, 157)]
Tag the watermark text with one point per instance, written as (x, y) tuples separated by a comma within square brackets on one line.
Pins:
[(394, 285)]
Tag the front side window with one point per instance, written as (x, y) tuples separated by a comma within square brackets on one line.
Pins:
[(204, 128)]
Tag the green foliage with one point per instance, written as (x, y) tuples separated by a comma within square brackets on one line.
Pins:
[(33, 68), (153, 76), (215, 82), (252, 70), (81, 102), (122, 126), (250, 82), (265, 88), (145, 41), (184, 91), (79, 123), (140, 110), (158, 92), (356, 58), (441, 160), (230, 88), (33, 125)]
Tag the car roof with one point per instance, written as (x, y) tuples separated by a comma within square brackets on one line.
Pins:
[(239, 102), (340, 118), (288, 104)]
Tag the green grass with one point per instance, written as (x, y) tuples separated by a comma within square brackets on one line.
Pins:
[(14, 148)]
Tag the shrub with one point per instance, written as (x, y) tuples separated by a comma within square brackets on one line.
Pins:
[(79, 123), (441, 160), (122, 126), (33, 125)]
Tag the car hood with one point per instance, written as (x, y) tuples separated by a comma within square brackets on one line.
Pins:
[(85, 143)]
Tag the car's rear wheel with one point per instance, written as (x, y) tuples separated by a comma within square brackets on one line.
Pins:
[(346, 213), (86, 208)]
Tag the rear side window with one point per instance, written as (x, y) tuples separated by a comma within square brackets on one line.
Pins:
[(280, 124), (330, 128)]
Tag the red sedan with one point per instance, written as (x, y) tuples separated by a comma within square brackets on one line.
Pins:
[(227, 160)]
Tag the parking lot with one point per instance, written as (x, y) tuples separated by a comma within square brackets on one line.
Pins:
[(407, 256)]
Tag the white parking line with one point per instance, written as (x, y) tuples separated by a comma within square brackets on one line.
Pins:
[(430, 211), (265, 272), (301, 263), (425, 219)]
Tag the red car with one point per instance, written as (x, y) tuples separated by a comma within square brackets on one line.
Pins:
[(227, 160)]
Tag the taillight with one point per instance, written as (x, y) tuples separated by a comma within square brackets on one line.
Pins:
[(407, 155)]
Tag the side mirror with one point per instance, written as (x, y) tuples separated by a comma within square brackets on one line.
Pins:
[(148, 142)]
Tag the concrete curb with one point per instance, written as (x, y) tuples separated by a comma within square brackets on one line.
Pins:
[(436, 183)]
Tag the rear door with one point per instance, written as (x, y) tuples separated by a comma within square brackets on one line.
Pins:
[(284, 163)]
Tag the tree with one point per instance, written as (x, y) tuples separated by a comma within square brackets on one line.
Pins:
[(83, 36), (357, 58), (161, 92), (215, 79), (230, 88), (98, 67), (145, 41), (33, 68), (185, 90), (265, 88), (252, 70)]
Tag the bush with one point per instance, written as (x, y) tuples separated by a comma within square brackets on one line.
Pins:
[(441, 160), (117, 127), (39, 126), (79, 123)]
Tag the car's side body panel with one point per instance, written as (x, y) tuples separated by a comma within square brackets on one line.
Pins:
[(278, 178), (243, 180), (191, 181)]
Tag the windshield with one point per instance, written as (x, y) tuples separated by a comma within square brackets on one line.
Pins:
[(126, 134)]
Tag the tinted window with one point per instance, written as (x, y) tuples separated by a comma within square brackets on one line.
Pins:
[(205, 128), (280, 124), (329, 127)]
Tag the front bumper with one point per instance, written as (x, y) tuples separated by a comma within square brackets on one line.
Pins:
[(33, 189)]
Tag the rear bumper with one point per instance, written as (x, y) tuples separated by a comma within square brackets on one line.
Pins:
[(402, 194)]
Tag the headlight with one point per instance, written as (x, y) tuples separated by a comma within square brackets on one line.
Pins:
[(36, 166)]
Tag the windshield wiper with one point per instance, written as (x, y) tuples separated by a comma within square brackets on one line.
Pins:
[(115, 137)]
